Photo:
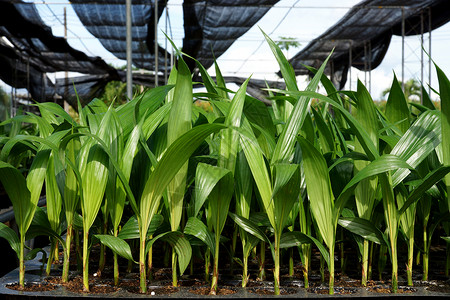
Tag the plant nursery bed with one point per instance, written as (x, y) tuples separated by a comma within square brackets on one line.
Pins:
[(50, 287)]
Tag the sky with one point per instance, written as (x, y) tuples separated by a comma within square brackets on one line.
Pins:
[(303, 20)]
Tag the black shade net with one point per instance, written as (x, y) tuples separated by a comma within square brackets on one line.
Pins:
[(362, 37), (211, 26), (28, 49), (106, 20)]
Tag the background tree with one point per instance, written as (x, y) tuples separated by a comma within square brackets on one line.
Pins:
[(4, 104), (412, 89), (285, 43)]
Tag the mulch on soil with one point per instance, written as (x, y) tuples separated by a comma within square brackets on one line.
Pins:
[(205, 291), (32, 287)]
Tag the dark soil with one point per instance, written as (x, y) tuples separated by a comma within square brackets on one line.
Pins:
[(439, 288), (387, 289), (133, 286), (270, 291), (204, 290), (75, 285), (337, 290), (32, 287)]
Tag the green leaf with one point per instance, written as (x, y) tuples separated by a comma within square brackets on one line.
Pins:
[(444, 92), (206, 178), (259, 171), (16, 187), (170, 163), (285, 67), (295, 238), (181, 245), (39, 230), (285, 145), (148, 102), (355, 126), (249, 227), (431, 179), (131, 228), (179, 122), (33, 252), (363, 228), (325, 136), (11, 236), (117, 245), (417, 143), (397, 107), (198, 229), (57, 110), (319, 191), (446, 238), (383, 164), (286, 192)]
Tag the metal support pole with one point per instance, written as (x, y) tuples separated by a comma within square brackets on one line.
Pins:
[(421, 56), (429, 51), (14, 80), (129, 51), (66, 74), (165, 46), (403, 49), (350, 67), (365, 63), (350, 73), (28, 84), (370, 67), (156, 43)]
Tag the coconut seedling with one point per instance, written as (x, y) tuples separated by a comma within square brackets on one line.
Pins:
[(277, 199), (25, 192)]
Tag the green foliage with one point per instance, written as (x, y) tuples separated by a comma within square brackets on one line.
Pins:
[(160, 169)]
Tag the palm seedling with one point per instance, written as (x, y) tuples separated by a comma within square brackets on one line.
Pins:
[(278, 196), (25, 192)]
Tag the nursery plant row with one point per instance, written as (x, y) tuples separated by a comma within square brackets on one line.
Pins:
[(162, 170)]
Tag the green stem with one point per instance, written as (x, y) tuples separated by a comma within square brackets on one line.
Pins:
[(150, 262), (276, 270), (21, 262), (66, 264), (331, 270), (245, 271), (341, 248), (369, 271), (143, 276), (233, 248), (291, 262), (394, 267), (101, 264), (365, 262), (50, 257), (305, 260), (116, 270), (425, 254), (174, 268), (116, 263), (262, 262), (322, 269), (207, 264), (215, 277), (79, 251), (410, 261), (86, 261)]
